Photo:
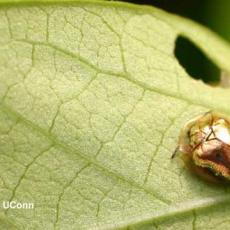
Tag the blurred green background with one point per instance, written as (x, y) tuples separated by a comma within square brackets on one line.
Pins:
[(214, 14)]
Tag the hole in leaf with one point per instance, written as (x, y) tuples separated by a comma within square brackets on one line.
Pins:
[(197, 65)]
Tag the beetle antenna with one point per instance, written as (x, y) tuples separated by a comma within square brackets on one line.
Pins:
[(208, 112), (175, 152)]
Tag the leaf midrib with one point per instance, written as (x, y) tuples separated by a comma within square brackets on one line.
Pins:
[(174, 210), (125, 76), (69, 149)]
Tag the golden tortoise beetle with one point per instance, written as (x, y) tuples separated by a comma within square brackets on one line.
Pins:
[(205, 146)]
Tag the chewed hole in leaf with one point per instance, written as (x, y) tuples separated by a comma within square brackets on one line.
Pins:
[(197, 65)]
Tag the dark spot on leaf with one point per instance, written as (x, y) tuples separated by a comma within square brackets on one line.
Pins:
[(197, 65)]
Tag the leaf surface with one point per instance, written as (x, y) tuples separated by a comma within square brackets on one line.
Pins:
[(92, 100)]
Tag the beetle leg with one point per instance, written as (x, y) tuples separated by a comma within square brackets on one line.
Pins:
[(175, 152)]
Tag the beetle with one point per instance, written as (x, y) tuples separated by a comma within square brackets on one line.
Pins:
[(204, 143)]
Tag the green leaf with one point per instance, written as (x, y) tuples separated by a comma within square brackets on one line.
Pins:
[(92, 100)]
